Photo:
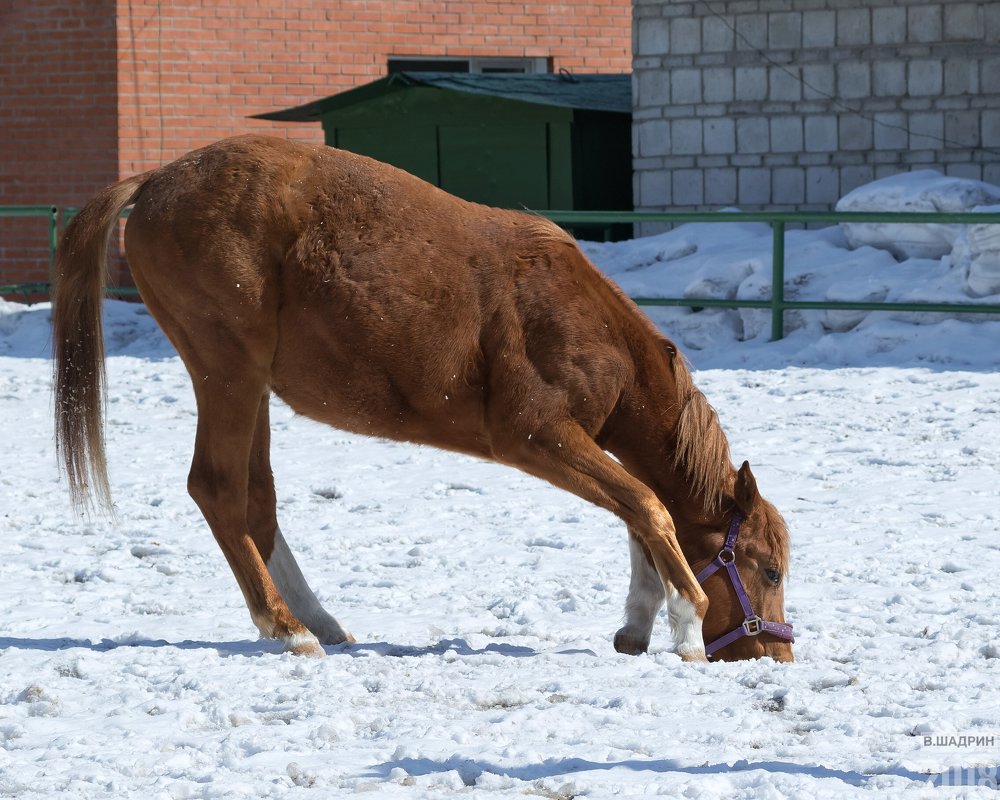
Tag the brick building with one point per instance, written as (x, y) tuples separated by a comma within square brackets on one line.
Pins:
[(793, 103), (94, 91)]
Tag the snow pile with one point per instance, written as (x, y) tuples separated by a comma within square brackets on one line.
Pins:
[(733, 260), (920, 190)]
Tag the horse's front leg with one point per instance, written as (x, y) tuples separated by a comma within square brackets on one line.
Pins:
[(645, 597), (281, 564), (565, 455)]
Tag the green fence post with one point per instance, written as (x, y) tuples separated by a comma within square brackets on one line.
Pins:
[(777, 280)]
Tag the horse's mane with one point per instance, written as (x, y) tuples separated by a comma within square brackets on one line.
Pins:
[(702, 455), (701, 450)]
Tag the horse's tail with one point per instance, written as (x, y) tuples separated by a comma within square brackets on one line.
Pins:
[(78, 341)]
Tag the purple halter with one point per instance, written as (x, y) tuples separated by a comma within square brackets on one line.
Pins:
[(752, 625)]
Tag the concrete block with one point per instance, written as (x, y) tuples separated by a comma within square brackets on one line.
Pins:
[(973, 172), (654, 88), (926, 130), (653, 138), (751, 84), (961, 76), (685, 86), (822, 185), (889, 25), (688, 187), (989, 76), (685, 35), (963, 21), (753, 187), (854, 79), (653, 36), (991, 22), (989, 124), (711, 162), (991, 173), (853, 177), (889, 78), (855, 132), (780, 160), (717, 85), (753, 135), (819, 29), (677, 9), (784, 31), (961, 128), (818, 82), (717, 34), (785, 84), (821, 134), (789, 185), (720, 187), (752, 32), (890, 131), (686, 137), (786, 134), (925, 77), (720, 135), (883, 157), (654, 189), (923, 23), (854, 27)]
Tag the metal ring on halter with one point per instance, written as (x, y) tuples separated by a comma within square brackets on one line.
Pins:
[(752, 627)]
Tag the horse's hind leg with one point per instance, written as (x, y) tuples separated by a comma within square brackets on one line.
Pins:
[(281, 564), (228, 401)]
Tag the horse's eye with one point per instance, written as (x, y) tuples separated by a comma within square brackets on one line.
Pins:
[(773, 576)]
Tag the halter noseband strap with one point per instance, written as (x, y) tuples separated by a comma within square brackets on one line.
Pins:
[(752, 624)]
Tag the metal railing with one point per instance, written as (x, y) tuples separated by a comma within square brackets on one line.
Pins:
[(778, 220), (50, 213)]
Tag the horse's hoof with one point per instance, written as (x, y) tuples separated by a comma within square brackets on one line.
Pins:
[(335, 638), (304, 644), (630, 645), (693, 655)]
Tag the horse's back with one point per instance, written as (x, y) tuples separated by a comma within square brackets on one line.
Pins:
[(375, 301)]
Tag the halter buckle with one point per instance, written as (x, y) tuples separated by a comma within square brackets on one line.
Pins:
[(753, 626), (727, 555)]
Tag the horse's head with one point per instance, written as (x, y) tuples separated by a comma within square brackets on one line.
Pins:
[(742, 571)]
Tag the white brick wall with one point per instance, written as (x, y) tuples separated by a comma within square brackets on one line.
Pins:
[(791, 103)]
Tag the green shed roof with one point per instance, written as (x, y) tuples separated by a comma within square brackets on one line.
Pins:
[(590, 92)]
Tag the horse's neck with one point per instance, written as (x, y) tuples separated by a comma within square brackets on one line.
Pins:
[(690, 474)]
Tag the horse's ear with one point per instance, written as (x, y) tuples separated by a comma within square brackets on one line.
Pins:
[(746, 489)]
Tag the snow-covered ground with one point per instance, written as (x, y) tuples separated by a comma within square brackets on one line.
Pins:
[(484, 601)]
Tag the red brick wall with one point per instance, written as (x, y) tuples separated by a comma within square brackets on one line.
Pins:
[(191, 72), (58, 117), (97, 90)]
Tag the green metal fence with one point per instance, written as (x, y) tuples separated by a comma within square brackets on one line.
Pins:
[(50, 213), (776, 219)]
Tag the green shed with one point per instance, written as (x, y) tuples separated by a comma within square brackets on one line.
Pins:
[(536, 141)]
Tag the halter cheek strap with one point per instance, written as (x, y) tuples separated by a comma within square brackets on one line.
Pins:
[(752, 625)]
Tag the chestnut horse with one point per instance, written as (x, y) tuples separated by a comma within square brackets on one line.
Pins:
[(372, 301)]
